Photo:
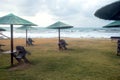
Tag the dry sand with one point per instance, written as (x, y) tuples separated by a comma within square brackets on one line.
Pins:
[(45, 42)]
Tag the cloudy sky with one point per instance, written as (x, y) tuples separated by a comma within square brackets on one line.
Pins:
[(79, 13)]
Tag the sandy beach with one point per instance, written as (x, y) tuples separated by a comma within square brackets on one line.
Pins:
[(51, 43), (85, 59)]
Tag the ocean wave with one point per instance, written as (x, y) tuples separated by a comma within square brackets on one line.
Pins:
[(71, 33)]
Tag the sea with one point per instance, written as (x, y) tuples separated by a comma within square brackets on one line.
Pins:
[(76, 32)]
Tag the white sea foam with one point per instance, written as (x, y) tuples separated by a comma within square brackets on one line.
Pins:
[(71, 33)]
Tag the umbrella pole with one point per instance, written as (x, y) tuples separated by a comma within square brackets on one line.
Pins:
[(59, 37), (26, 37), (11, 44)]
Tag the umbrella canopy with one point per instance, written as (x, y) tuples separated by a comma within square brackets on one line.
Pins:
[(59, 25), (1, 29), (13, 20), (26, 28), (114, 24), (109, 12)]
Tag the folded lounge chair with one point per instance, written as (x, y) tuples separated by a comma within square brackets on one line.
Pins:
[(21, 54), (62, 44), (30, 41)]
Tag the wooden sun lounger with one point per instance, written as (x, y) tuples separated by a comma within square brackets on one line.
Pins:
[(8, 52), (4, 36)]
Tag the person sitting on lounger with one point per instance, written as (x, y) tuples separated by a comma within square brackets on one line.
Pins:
[(21, 54), (62, 44), (30, 41)]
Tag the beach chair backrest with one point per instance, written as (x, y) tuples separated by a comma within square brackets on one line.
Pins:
[(21, 49)]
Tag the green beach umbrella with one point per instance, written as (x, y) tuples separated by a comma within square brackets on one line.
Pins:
[(109, 12), (11, 20), (114, 24), (26, 28), (59, 25)]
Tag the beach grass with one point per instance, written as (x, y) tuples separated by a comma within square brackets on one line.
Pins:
[(85, 59)]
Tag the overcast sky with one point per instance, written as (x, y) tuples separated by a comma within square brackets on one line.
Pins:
[(79, 13)]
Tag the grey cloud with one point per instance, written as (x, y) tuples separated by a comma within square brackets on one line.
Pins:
[(23, 7), (63, 9), (60, 8), (30, 7)]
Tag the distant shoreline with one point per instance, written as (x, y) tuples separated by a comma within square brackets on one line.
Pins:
[(57, 38), (69, 33)]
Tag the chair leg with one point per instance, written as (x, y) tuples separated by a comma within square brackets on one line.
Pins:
[(19, 60), (25, 60)]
